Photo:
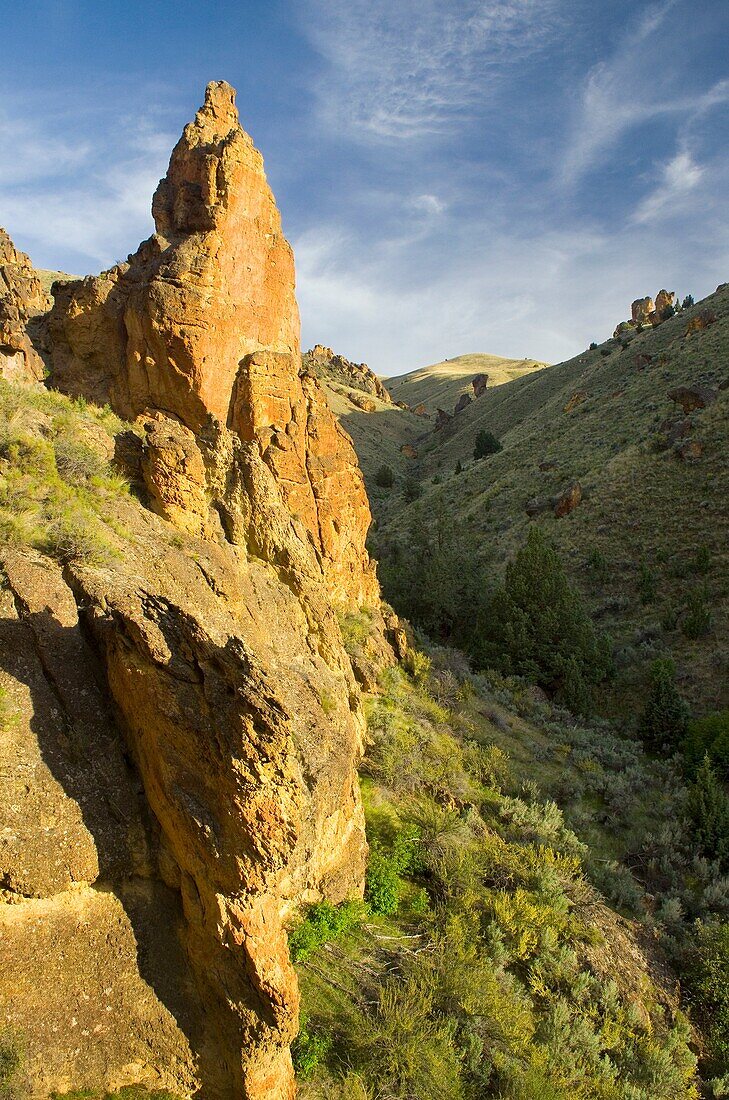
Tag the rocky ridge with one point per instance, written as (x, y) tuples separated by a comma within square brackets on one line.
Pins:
[(207, 706), (323, 362)]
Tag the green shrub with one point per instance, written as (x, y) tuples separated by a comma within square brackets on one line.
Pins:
[(697, 620), (706, 975), (593, 346), (647, 583), (323, 922), (597, 563), (11, 1060), (412, 490), (486, 444), (309, 1049)]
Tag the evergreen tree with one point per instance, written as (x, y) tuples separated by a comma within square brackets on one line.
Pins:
[(538, 627), (486, 444), (384, 477), (664, 722), (708, 810)]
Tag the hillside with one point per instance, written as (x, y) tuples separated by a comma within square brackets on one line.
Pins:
[(648, 539), (441, 384)]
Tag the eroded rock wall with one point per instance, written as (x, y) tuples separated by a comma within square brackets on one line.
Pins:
[(185, 712)]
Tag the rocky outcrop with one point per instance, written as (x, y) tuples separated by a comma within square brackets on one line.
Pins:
[(420, 410), (692, 397), (568, 500), (202, 325), (462, 403), (480, 384), (442, 419), (700, 321), (641, 310), (22, 299), (322, 362), (182, 771), (646, 311), (409, 451)]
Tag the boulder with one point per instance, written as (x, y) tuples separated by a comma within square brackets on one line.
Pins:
[(642, 360), (567, 501), (537, 505), (462, 403), (366, 404), (665, 299), (700, 321), (420, 410), (690, 450), (693, 397), (408, 450), (442, 419)]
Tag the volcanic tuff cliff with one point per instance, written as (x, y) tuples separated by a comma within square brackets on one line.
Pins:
[(182, 723)]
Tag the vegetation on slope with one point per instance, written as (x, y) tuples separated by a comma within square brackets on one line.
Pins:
[(487, 962), (56, 478), (647, 543)]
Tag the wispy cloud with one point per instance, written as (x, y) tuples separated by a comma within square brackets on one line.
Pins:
[(409, 69), (86, 194), (678, 177)]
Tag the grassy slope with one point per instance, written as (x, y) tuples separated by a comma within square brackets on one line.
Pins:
[(377, 436), (441, 384), (640, 504), (48, 278)]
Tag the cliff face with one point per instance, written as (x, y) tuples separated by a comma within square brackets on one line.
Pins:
[(22, 299), (184, 723)]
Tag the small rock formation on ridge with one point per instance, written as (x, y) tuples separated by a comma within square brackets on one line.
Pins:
[(644, 312), (322, 362), (208, 786)]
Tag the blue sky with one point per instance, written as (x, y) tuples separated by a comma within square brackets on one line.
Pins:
[(455, 175)]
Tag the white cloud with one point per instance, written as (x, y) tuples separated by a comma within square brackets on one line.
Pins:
[(678, 177), (410, 69), (428, 204), (82, 199)]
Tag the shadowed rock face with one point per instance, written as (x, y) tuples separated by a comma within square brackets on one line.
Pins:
[(228, 715)]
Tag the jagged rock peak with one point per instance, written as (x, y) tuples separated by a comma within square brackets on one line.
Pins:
[(195, 192), (202, 324)]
